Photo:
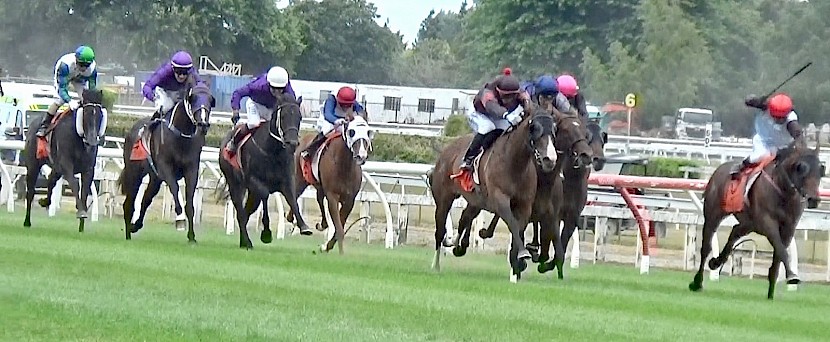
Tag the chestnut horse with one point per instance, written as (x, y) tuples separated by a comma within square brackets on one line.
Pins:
[(339, 177), (772, 208)]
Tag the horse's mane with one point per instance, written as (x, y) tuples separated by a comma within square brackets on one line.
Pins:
[(200, 87), (794, 148), (93, 96)]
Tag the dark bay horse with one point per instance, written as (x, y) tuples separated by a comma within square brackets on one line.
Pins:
[(339, 177), (772, 208), (507, 182), (264, 166), (167, 152), (576, 150), (67, 154)]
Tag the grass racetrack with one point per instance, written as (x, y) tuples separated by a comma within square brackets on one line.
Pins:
[(60, 285)]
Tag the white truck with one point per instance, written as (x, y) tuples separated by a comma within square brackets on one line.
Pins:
[(691, 124)]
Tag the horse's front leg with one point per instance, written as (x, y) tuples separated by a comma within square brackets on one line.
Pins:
[(266, 236), (289, 191), (51, 182), (173, 184), (334, 212), (516, 222), (152, 189), (86, 189), (465, 223), (191, 177)]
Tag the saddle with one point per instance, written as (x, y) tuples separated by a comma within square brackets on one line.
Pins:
[(736, 195), (43, 142), (469, 180), (311, 168), (233, 156)]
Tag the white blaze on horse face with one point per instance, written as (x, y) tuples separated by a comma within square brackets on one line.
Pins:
[(551, 152), (362, 152)]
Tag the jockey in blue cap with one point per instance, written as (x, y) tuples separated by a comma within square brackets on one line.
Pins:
[(337, 110), (262, 95), (165, 85), (77, 69), (546, 90)]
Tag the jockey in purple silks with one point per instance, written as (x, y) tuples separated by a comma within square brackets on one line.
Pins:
[(165, 85), (262, 95)]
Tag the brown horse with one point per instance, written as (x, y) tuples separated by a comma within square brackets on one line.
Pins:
[(507, 182), (772, 208), (572, 139), (339, 177)]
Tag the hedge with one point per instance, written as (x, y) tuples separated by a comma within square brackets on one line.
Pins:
[(408, 148)]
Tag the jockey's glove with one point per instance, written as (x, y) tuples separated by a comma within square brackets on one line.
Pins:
[(74, 104), (339, 122), (514, 118)]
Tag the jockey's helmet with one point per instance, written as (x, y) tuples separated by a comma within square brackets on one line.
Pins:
[(346, 96), (780, 105), (507, 85), (277, 77), (546, 85), (181, 60), (567, 85), (84, 55)]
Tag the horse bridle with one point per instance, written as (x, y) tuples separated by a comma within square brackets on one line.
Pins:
[(279, 134), (191, 115), (536, 155), (346, 139), (572, 148)]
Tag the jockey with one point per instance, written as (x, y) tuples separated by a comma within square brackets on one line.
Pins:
[(547, 88), (262, 95), (569, 88), (77, 69), (497, 106), (164, 85), (336, 111), (776, 126)]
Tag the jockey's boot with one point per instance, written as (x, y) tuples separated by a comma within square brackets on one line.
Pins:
[(237, 136), (313, 146), (472, 152), (736, 169), (41, 131)]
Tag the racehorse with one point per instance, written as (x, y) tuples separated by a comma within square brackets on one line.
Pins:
[(578, 147), (167, 152), (263, 165), (507, 182), (338, 174), (771, 207), (67, 153)]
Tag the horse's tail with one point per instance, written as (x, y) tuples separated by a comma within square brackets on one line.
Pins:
[(119, 183), (222, 192), (429, 177)]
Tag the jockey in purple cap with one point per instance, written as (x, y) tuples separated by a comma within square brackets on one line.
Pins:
[(165, 85), (262, 95)]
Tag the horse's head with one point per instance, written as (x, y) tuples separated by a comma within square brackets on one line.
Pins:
[(542, 133), (801, 168), (198, 104), (597, 140), (93, 113), (358, 136), (285, 121), (572, 137)]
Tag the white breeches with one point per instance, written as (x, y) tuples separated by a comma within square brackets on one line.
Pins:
[(760, 149), (79, 122), (78, 87), (165, 100), (324, 126), (482, 124), (256, 114)]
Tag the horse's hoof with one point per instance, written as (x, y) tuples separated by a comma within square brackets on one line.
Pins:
[(266, 236), (324, 248), (534, 255), (459, 251), (136, 227), (542, 268), (44, 202), (247, 247), (193, 242), (318, 226), (27, 223), (714, 264), (693, 286), (484, 234), (793, 281), (81, 214), (521, 266), (524, 255), (304, 230)]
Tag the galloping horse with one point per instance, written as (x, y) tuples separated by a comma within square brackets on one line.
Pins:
[(572, 141), (336, 174), (507, 182), (167, 152), (771, 207), (67, 153), (263, 167)]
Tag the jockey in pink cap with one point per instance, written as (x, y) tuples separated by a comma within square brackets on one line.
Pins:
[(569, 88)]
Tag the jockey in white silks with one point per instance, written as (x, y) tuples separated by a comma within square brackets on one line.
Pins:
[(776, 126)]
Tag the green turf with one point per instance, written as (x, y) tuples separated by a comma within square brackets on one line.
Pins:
[(60, 285)]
